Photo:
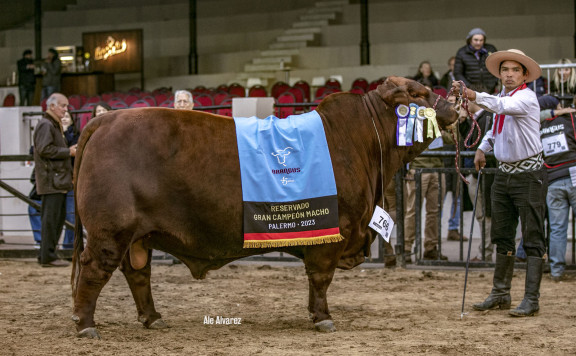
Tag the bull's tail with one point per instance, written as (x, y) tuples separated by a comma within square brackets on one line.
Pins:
[(79, 229)]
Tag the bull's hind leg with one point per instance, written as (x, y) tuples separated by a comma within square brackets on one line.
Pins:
[(98, 261), (320, 272), (139, 282)]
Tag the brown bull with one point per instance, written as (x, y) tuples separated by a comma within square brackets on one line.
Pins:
[(170, 180)]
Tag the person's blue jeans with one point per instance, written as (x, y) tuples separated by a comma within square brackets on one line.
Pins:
[(47, 91), (69, 233), (454, 221), (561, 196), (35, 222)]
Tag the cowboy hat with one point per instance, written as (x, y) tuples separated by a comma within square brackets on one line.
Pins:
[(495, 59)]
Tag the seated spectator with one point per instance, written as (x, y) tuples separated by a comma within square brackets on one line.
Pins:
[(425, 75), (563, 83), (100, 109), (448, 77), (183, 100)]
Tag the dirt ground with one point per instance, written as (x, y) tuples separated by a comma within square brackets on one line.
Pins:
[(376, 311)]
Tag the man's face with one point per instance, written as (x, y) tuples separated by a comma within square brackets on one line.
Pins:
[(61, 107), (182, 102), (477, 42), (512, 75)]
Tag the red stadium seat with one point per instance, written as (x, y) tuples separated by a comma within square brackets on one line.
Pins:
[(357, 90), (9, 100), (115, 100), (302, 84), (203, 100), (167, 104), (333, 83), (93, 99), (130, 98), (161, 97), (257, 91), (142, 103), (285, 98), (440, 90), (222, 87), (360, 83), (75, 101), (279, 88), (317, 101), (118, 105), (236, 89), (225, 111), (149, 99), (374, 84), (220, 97), (107, 96)]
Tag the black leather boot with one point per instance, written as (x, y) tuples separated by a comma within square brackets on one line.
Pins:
[(500, 295), (529, 305)]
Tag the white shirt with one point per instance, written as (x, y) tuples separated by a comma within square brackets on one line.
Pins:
[(520, 136)]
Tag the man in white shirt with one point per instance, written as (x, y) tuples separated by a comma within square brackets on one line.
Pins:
[(520, 186)]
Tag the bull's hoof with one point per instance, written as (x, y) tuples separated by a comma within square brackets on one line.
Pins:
[(90, 333), (325, 326), (158, 324)]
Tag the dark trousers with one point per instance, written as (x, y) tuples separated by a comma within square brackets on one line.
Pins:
[(53, 215), (26, 96), (519, 195)]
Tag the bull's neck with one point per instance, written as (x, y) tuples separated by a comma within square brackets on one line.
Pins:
[(381, 154)]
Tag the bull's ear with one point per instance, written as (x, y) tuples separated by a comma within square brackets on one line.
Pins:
[(394, 96)]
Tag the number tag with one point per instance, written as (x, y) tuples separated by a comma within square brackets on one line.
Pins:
[(382, 223), (554, 144)]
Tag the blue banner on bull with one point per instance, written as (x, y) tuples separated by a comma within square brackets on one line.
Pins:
[(288, 185)]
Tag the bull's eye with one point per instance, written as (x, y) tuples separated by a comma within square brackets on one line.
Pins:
[(414, 95)]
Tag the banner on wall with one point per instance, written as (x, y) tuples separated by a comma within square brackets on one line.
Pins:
[(114, 51)]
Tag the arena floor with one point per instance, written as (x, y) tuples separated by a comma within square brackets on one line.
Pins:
[(376, 311)]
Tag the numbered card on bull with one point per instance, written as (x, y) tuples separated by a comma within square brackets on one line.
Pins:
[(382, 223)]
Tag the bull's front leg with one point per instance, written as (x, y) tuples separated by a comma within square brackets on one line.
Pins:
[(320, 272), (139, 283)]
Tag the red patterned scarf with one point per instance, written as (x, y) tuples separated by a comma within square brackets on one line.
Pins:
[(499, 121)]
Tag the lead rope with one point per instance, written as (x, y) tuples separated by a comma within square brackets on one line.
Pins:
[(463, 101)]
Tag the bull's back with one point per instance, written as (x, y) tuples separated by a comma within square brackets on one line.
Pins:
[(167, 168)]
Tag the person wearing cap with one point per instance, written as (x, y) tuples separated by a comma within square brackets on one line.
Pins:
[(559, 142), (521, 183), (470, 64)]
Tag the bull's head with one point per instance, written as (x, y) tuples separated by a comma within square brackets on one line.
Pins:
[(398, 90)]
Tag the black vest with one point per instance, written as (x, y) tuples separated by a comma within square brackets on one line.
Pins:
[(559, 143)]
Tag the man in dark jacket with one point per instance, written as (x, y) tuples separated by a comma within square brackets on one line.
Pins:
[(470, 65), (26, 78), (53, 176)]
